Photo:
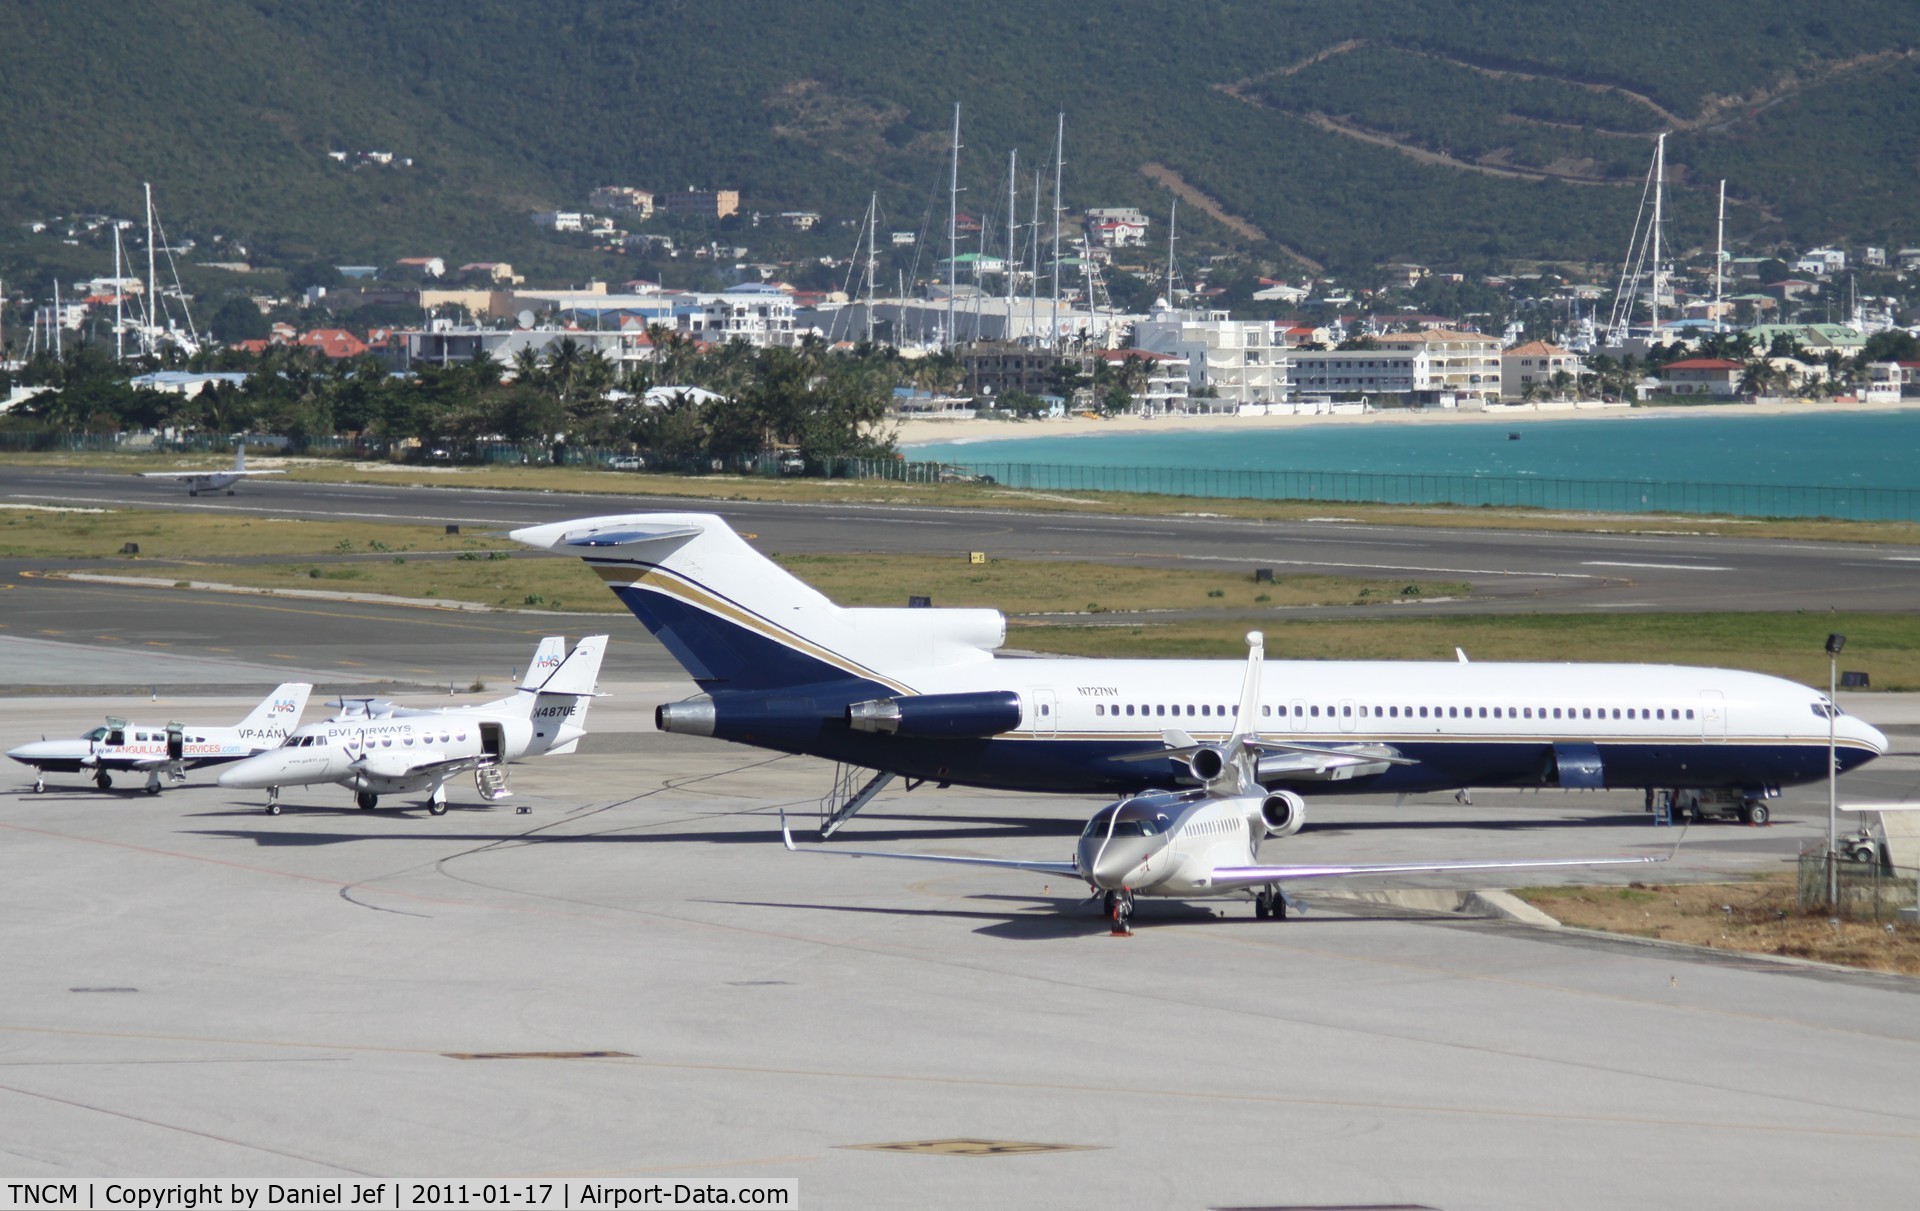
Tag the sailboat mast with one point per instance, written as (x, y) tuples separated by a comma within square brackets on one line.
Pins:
[(1033, 283), (57, 325), (1013, 199), (873, 256), (1720, 258), (119, 332), (153, 293), (953, 228), (1659, 190), (1059, 140), (1173, 216)]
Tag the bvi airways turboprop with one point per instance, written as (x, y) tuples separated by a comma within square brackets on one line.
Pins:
[(166, 748), (382, 749), (919, 693), (213, 481), (1204, 842)]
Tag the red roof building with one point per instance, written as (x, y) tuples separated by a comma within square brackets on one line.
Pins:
[(333, 342)]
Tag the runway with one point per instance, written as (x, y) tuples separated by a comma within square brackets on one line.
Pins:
[(1510, 570), (195, 989)]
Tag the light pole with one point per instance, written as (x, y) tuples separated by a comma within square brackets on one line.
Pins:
[(1835, 642)]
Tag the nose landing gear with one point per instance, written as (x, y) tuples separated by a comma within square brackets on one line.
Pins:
[(1119, 909)]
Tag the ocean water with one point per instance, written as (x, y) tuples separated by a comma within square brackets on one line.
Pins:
[(1858, 464)]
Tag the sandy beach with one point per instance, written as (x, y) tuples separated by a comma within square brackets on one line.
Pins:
[(923, 431)]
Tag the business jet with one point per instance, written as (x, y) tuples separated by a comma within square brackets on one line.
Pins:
[(212, 481), (381, 749), (154, 749), (920, 694), (1204, 842)]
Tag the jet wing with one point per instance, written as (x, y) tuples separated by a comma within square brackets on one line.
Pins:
[(397, 765), (186, 476), (1225, 877), (1050, 868)]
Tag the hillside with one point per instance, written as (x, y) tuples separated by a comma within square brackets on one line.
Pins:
[(1350, 134)]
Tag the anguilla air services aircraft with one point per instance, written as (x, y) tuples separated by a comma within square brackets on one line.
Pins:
[(213, 481), (154, 749), (920, 694)]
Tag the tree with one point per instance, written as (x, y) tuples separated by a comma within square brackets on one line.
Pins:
[(239, 320), (313, 273)]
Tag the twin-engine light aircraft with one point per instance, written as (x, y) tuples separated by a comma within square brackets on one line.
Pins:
[(172, 749), (381, 749), (919, 693), (1203, 842), (213, 481)]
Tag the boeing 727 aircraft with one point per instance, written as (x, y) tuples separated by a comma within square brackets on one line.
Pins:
[(919, 693), (212, 481), (1201, 843), (383, 749), (157, 748)]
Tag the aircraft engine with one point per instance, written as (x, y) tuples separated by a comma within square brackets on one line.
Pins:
[(1283, 812), (1207, 764)]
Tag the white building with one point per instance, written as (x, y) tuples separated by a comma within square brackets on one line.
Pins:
[(1534, 364), (1237, 360), (1165, 386), (560, 220), (1463, 364)]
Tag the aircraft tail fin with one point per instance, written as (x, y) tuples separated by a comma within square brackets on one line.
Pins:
[(566, 695), (546, 658), (278, 713), (240, 457), (735, 619)]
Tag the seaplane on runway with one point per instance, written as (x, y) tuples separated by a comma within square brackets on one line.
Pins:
[(920, 694), (382, 749), (166, 748), (212, 481)]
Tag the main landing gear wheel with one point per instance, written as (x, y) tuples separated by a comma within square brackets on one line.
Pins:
[(366, 801), (437, 807), (1756, 814), (1270, 904), (102, 779)]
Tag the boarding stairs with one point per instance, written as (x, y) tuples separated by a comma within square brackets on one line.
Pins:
[(849, 795), (490, 779)]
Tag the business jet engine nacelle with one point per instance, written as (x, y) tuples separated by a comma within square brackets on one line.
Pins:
[(1207, 764), (1283, 812)]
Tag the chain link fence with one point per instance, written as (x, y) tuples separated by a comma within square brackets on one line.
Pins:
[(1856, 888)]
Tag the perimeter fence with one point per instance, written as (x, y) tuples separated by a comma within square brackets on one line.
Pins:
[(1873, 889)]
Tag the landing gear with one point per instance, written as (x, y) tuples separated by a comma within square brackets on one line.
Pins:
[(102, 779), (437, 805), (273, 800), (1463, 797), (230, 492), (153, 782), (1119, 908), (39, 781), (193, 491), (366, 801), (1755, 813), (1270, 903)]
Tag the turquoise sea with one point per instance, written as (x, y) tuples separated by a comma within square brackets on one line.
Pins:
[(1857, 464)]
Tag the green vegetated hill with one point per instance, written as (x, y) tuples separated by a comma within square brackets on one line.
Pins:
[(1352, 133)]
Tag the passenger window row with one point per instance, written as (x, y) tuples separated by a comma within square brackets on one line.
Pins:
[(1347, 711)]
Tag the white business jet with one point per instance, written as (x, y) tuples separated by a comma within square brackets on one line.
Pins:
[(381, 749), (1204, 842), (920, 694), (212, 481), (154, 749)]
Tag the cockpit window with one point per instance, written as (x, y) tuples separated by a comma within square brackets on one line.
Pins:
[(1823, 710), (1103, 820), (98, 733)]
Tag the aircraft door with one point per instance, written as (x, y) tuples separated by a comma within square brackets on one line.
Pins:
[(1347, 712), (493, 740), (176, 743), (1043, 717), (1713, 715)]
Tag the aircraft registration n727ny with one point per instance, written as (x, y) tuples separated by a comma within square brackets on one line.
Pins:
[(920, 694)]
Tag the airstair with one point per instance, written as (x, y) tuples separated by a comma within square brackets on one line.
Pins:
[(849, 795), (490, 779)]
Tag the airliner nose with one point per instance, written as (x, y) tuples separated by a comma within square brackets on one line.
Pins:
[(28, 753), (252, 773), (1866, 733)]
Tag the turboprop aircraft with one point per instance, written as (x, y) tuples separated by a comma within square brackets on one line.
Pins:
[(212, 481), (169, 748), (919, 694), (382, 749), (1204, 842)]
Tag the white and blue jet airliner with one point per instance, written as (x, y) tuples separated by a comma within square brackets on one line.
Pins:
[(921, 694)]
